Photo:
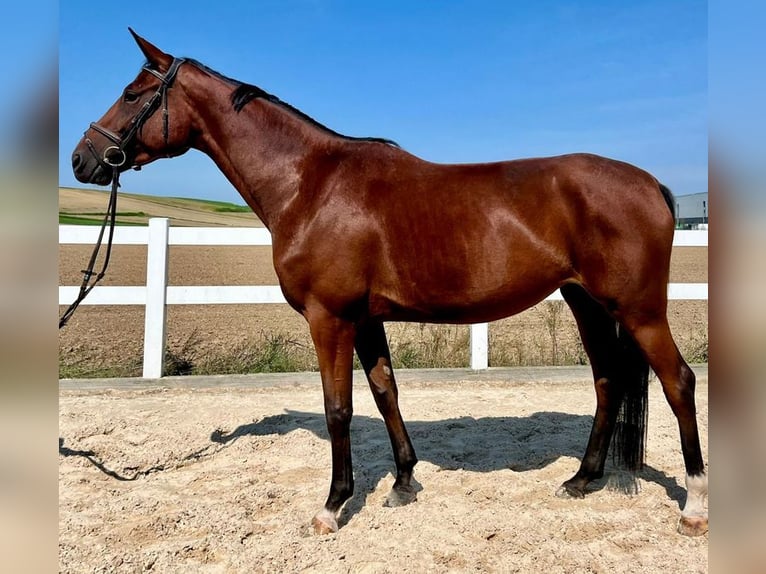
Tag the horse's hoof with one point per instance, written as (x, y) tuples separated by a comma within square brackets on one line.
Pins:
[(324, 523), (565, 491), (400, 497), (692, 525)]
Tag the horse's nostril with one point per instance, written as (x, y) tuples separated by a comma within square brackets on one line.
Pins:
[(75, 160)]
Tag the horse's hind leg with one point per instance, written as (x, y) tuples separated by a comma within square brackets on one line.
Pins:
[(598, 332), (372, 348), (678, 384)]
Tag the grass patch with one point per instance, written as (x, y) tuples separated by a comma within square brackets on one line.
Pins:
[(269, 353), (103, 213), (233, 209), (220, 206), (66, 219), (427, 346), (545, 334), (413, 346), (83, 363), (696, 348)]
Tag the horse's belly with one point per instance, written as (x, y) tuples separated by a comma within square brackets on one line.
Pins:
[(469, 302)]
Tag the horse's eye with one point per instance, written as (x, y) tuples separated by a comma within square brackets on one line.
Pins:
[(130, 97)]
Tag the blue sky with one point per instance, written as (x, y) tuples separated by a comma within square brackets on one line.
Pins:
[(449, 81)]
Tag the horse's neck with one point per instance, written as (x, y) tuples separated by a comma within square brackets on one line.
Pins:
[(260, 150)]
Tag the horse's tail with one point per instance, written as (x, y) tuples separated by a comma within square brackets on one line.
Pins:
[(629, 438), (667, 195)]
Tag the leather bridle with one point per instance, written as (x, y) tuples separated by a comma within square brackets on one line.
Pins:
[(109, 163), (107, 159)]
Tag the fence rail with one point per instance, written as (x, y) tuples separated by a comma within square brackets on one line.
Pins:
[(157, 294)]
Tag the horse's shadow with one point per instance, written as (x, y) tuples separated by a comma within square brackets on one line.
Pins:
[(485, 444), (503, 440)]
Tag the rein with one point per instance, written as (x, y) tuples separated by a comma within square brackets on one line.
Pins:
[(111, 162), (88, 274)]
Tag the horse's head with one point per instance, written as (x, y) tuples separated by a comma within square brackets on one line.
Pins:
[(150, 120)]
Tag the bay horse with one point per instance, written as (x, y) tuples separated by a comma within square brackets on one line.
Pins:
[(364, 232)]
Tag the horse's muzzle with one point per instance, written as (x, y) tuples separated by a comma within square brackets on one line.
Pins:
[(87, 170)]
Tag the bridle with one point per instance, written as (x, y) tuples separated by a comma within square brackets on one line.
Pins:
[(121, 143)]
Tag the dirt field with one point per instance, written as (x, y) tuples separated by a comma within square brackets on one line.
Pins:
[(226, 477)]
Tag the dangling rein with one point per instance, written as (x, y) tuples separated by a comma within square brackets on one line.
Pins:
[(90, 278)]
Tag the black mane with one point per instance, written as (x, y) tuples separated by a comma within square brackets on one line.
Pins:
[(245, 93)]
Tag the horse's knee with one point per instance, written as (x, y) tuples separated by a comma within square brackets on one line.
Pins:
[(338, 416)]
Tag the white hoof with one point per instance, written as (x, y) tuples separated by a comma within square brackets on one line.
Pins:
[(693, 525), (694, 521), (324, 523)]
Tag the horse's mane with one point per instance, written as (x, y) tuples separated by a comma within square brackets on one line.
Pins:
[(245, 93)]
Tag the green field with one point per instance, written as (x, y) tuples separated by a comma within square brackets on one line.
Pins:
[(97, 218)]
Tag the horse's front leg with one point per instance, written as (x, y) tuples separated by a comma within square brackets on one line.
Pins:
[(334, 342)]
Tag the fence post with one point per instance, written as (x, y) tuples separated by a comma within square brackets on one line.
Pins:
[(156, 296), (479, 346)]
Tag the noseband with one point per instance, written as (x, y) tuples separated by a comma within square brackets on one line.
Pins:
[(152, 104)]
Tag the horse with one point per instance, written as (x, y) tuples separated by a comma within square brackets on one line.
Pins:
[(364, 233)]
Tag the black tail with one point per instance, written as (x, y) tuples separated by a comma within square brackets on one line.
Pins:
[(669, 199), (629, 438)]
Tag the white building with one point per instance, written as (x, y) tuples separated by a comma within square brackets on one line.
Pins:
[(691, 210)]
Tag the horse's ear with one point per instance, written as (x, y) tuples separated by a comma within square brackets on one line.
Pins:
[(154, 55)]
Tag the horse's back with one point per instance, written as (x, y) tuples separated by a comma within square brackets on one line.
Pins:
[(582, 188)]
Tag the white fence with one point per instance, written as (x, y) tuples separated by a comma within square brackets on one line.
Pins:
[(157, 294)]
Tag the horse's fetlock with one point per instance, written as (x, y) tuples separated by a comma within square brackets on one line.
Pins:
[(342, 491)]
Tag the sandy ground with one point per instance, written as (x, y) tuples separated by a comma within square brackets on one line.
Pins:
[(224, 475)]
